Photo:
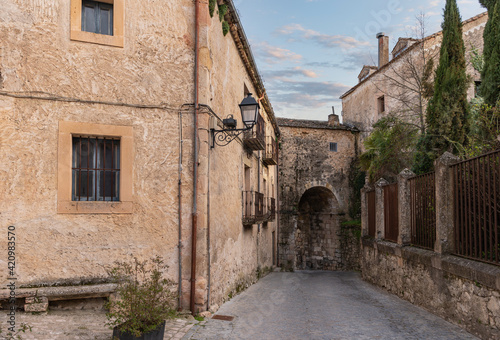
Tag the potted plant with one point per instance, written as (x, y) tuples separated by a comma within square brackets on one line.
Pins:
[(144, 300)]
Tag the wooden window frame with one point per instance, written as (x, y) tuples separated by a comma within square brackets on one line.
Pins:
[(65, 204), (117, 39)]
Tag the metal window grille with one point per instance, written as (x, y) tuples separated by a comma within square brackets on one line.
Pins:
[(333, 147), (95, 169), (97, 17)]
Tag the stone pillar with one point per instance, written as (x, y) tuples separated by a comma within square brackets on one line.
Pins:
[(379, 207), (445, 238), (404, 213), (364, 209)]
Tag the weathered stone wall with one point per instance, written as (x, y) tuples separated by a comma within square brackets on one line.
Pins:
[(314, 193), (155, 67), (464, 292), (360, 106)]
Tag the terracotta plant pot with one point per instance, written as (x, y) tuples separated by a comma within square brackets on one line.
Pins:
[(157, 334)]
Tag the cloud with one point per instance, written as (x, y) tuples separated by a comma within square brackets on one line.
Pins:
[(325, 40), (274, 54), (290, 73), (292, 95)]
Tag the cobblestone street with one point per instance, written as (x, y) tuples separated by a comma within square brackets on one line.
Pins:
[(323, 305), (300, 305)]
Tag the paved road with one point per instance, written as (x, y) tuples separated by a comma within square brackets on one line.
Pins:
[(323, 305)]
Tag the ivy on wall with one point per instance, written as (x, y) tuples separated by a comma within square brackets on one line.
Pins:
[(222, 11)]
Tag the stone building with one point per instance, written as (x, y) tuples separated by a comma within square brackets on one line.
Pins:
[(315, 161), (391, 87), (107, 111)]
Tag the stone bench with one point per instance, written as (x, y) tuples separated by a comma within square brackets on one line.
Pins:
[(37, 299)]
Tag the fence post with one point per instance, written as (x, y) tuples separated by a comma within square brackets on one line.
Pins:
[(364, 209), (404, 195), (379, 198), (445, 239)]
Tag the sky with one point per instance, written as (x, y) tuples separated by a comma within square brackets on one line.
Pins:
[(310, 52)]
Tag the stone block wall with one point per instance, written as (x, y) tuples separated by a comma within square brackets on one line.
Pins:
[(314, 193), (463, 291)]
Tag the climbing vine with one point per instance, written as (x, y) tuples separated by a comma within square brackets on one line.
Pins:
[(222, 11)]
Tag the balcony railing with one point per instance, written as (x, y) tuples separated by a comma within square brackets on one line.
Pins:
[(253, 207), (271, 154), (255, 138), (270, 213)]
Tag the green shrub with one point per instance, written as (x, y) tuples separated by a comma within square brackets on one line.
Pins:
[(145, 298)]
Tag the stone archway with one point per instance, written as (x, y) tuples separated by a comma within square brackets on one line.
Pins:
[(317, 237)]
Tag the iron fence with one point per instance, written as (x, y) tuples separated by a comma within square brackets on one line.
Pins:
[(477, 207), (423, 210), (391, 220), (371, 213)]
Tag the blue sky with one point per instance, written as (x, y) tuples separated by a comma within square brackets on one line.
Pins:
[(309, 52)]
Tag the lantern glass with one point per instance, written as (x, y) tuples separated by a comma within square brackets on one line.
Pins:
[(249, 110)]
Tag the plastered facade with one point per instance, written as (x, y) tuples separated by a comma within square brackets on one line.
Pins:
[(360, 105), (49, 78)]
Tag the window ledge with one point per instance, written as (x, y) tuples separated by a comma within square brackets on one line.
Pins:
[(71, 207), (101, 39)]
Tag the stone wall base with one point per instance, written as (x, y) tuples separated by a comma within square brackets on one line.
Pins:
[(464, 292)]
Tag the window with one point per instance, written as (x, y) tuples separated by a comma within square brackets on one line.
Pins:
[(381, 104), (97, 17), (333, 147), (95, 169), (99, 22)]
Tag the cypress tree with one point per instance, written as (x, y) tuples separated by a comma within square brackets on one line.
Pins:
[(490, 77), (448, 108)]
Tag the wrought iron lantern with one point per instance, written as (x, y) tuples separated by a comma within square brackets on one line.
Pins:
[(249, 109)]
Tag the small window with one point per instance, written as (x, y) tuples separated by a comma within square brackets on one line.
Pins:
[(96, 169), (333, 147), (97, 17), (98, 22), (381, 104)]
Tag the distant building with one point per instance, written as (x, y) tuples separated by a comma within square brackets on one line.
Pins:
[(390, 87), (315, 162)]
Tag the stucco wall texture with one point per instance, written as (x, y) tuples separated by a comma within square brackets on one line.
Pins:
[(155, 68)]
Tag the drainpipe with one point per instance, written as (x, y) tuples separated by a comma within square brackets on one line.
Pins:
[(195, 162), (179, 306), (277, 203), (208, 234)]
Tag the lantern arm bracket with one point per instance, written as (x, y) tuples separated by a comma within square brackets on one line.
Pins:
[(225, 136)]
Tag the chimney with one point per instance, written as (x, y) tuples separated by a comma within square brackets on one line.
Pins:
[(333, 119), (383, 49)]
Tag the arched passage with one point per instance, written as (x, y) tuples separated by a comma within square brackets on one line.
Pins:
[(317, 240)]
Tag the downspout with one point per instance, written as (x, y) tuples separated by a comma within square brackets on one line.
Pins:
[(179, 306), (208, 233), (195, 161), (278, 204)]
